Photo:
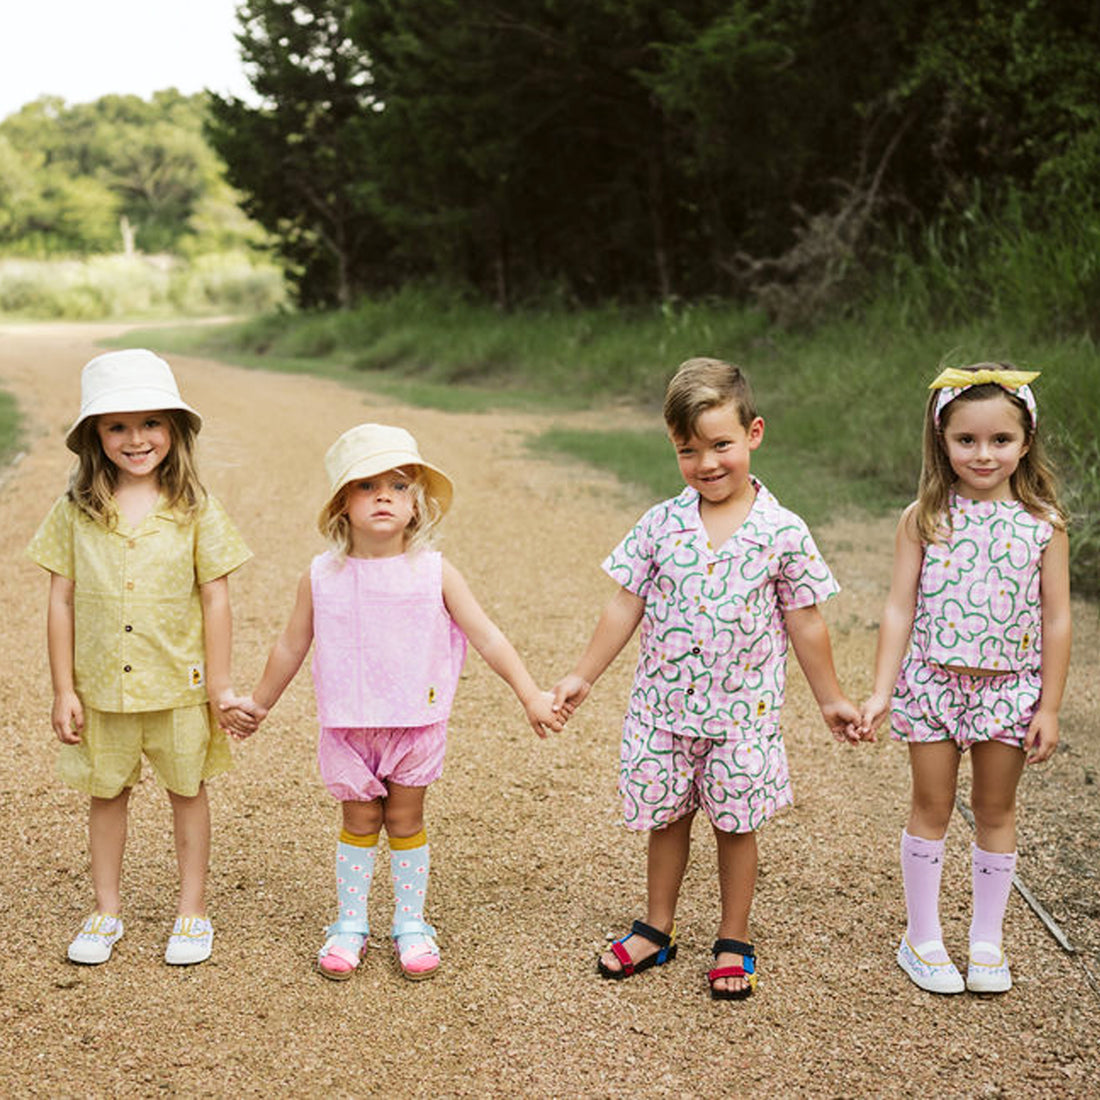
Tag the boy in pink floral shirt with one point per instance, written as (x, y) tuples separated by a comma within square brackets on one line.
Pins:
[(719, 578)]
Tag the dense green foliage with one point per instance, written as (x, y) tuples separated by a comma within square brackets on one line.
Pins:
[(594, 150), (116, 175), (843, 405)]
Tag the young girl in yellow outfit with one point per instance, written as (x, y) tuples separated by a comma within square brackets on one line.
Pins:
[(139, 630)]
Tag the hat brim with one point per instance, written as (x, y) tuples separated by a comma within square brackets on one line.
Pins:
[(440, 484), (136, 399)]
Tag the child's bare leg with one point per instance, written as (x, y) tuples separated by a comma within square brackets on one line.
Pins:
[(107, 818), (191, 822), (737, 862), (935, 767), (996, 768), (362, 818), (404, 810), (666, 862)]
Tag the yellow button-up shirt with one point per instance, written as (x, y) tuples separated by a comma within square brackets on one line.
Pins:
[(137, 610)]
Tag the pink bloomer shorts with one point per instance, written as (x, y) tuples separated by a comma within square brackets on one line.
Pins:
[(356, 764), (662, 777), (932, 704)]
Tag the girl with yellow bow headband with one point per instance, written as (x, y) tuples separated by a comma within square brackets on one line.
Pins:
[(973, 651)]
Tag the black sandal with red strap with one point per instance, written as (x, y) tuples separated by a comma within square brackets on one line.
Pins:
[(747, 970), (667, 952)]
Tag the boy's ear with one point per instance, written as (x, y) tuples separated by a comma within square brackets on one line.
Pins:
[(756, 433)]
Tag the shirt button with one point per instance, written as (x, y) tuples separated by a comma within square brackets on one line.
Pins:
[(129, 584), (128, 628), (696, 649), (126, 668), (130, 543), (691, 691)]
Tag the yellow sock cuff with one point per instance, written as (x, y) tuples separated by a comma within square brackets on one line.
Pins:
[(368, 841), (404, 843)]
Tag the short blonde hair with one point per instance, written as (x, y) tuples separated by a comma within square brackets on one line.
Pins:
[(701, 384), (334, 525)]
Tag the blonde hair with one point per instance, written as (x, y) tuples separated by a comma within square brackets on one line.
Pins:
[(334, 525), (93, 481), (1033, 482), (700, 384)]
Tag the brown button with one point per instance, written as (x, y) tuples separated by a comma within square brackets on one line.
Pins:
[(129, 584), (128, 628), (126, 668)]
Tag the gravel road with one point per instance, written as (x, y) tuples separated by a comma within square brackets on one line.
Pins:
[(532, 870)]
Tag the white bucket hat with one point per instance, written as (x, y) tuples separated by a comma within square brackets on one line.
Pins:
[(134, 380), (370, 449)]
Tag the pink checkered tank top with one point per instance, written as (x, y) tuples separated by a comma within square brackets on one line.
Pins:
[(385, 651), (978, 602)]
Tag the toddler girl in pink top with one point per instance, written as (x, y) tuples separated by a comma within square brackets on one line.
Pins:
[(719, 579), (974, 646), (388, 619)]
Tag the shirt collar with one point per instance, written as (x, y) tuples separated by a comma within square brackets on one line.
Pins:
[(759, 525)]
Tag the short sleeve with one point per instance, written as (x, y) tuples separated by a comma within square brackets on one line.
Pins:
[(804, 579), (52, 545), (632, 563), (219, 548)]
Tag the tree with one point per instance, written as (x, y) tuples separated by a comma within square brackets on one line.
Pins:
[(304, 158)]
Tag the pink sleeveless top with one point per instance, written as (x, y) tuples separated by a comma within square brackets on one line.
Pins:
[(978, 602), (385, 651)]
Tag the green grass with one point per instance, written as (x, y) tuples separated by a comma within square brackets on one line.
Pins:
[(9, 426), (843, 405)]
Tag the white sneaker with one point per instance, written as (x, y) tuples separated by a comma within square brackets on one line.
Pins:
[(96, 940), (983, 977), (934, 977), (191, 941)]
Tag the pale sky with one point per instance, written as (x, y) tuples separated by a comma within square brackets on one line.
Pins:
[(83, 49)]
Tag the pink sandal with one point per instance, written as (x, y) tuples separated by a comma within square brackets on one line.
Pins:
[(339, 960), (419, 957)]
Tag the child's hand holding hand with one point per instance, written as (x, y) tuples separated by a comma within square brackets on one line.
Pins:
[(569, 693), (67, 717), (843, 720), (872, 713), (541, 714), (240, 717)]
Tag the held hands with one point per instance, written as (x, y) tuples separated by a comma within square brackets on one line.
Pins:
[(872, 714), (843, 720), (541, 715), (239, 716), (569, 693)]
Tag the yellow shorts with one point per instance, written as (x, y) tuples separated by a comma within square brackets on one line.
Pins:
[(182, 746)]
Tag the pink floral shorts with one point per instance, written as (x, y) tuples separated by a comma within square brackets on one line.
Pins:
[(662, 777), (356, 764), (932, 704)]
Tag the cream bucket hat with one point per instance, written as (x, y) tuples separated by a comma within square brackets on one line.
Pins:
[(370, 449), (134, 380)]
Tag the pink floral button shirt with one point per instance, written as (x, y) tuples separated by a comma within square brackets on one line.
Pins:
[(713, 641)]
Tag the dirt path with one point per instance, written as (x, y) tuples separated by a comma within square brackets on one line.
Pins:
[(531, 867)]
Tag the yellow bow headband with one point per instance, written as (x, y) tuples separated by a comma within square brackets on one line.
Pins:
[(952, 381)]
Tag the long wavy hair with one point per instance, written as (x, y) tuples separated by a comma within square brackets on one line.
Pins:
[(1033, 482), (95, 477), (334, 525)]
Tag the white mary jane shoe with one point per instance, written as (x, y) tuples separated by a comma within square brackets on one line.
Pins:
[(934, 977), (983, 977)]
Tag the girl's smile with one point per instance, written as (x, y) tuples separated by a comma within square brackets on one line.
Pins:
[(136, 443)]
